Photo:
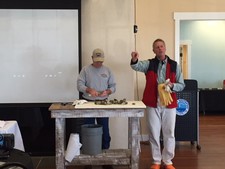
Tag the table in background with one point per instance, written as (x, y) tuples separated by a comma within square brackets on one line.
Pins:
[(212, 100), (133, 110), (13, 128)]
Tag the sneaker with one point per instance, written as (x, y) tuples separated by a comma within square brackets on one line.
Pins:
[(155, 166), (169, 166)]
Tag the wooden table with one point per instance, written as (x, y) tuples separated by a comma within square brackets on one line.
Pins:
[(133, 110)]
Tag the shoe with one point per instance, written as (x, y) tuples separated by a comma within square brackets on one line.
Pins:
[(88, 167), (169, 166), (155, 166), (107, 167)]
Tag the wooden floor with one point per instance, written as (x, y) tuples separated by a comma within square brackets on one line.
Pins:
[(211, 155)]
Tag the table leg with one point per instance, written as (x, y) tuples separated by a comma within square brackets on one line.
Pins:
[(134, 122), (60, 142), (129, 133), (202, 102)]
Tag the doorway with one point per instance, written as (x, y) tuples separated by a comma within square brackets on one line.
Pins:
[(185, 58), (190, 16)]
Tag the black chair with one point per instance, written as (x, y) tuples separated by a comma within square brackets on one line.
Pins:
[(15, 158), (12, 164)]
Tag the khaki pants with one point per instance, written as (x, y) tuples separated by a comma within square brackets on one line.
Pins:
[(161, 120)]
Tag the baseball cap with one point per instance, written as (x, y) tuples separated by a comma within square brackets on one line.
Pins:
[(98, 55)]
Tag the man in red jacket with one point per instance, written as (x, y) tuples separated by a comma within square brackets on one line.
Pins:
[(161, 117)]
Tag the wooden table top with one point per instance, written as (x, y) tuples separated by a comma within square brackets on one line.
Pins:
[(92, 105)]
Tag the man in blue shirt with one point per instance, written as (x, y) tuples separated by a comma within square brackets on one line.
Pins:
[(162, 73)]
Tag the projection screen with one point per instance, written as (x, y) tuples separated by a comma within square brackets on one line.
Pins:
[(39, 55)]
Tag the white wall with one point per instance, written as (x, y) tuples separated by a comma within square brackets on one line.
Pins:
[(109, 25)]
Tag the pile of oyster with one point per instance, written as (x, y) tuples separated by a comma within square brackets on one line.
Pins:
[(109, 102)]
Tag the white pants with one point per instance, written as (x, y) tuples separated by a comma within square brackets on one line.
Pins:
[(162, 120)]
